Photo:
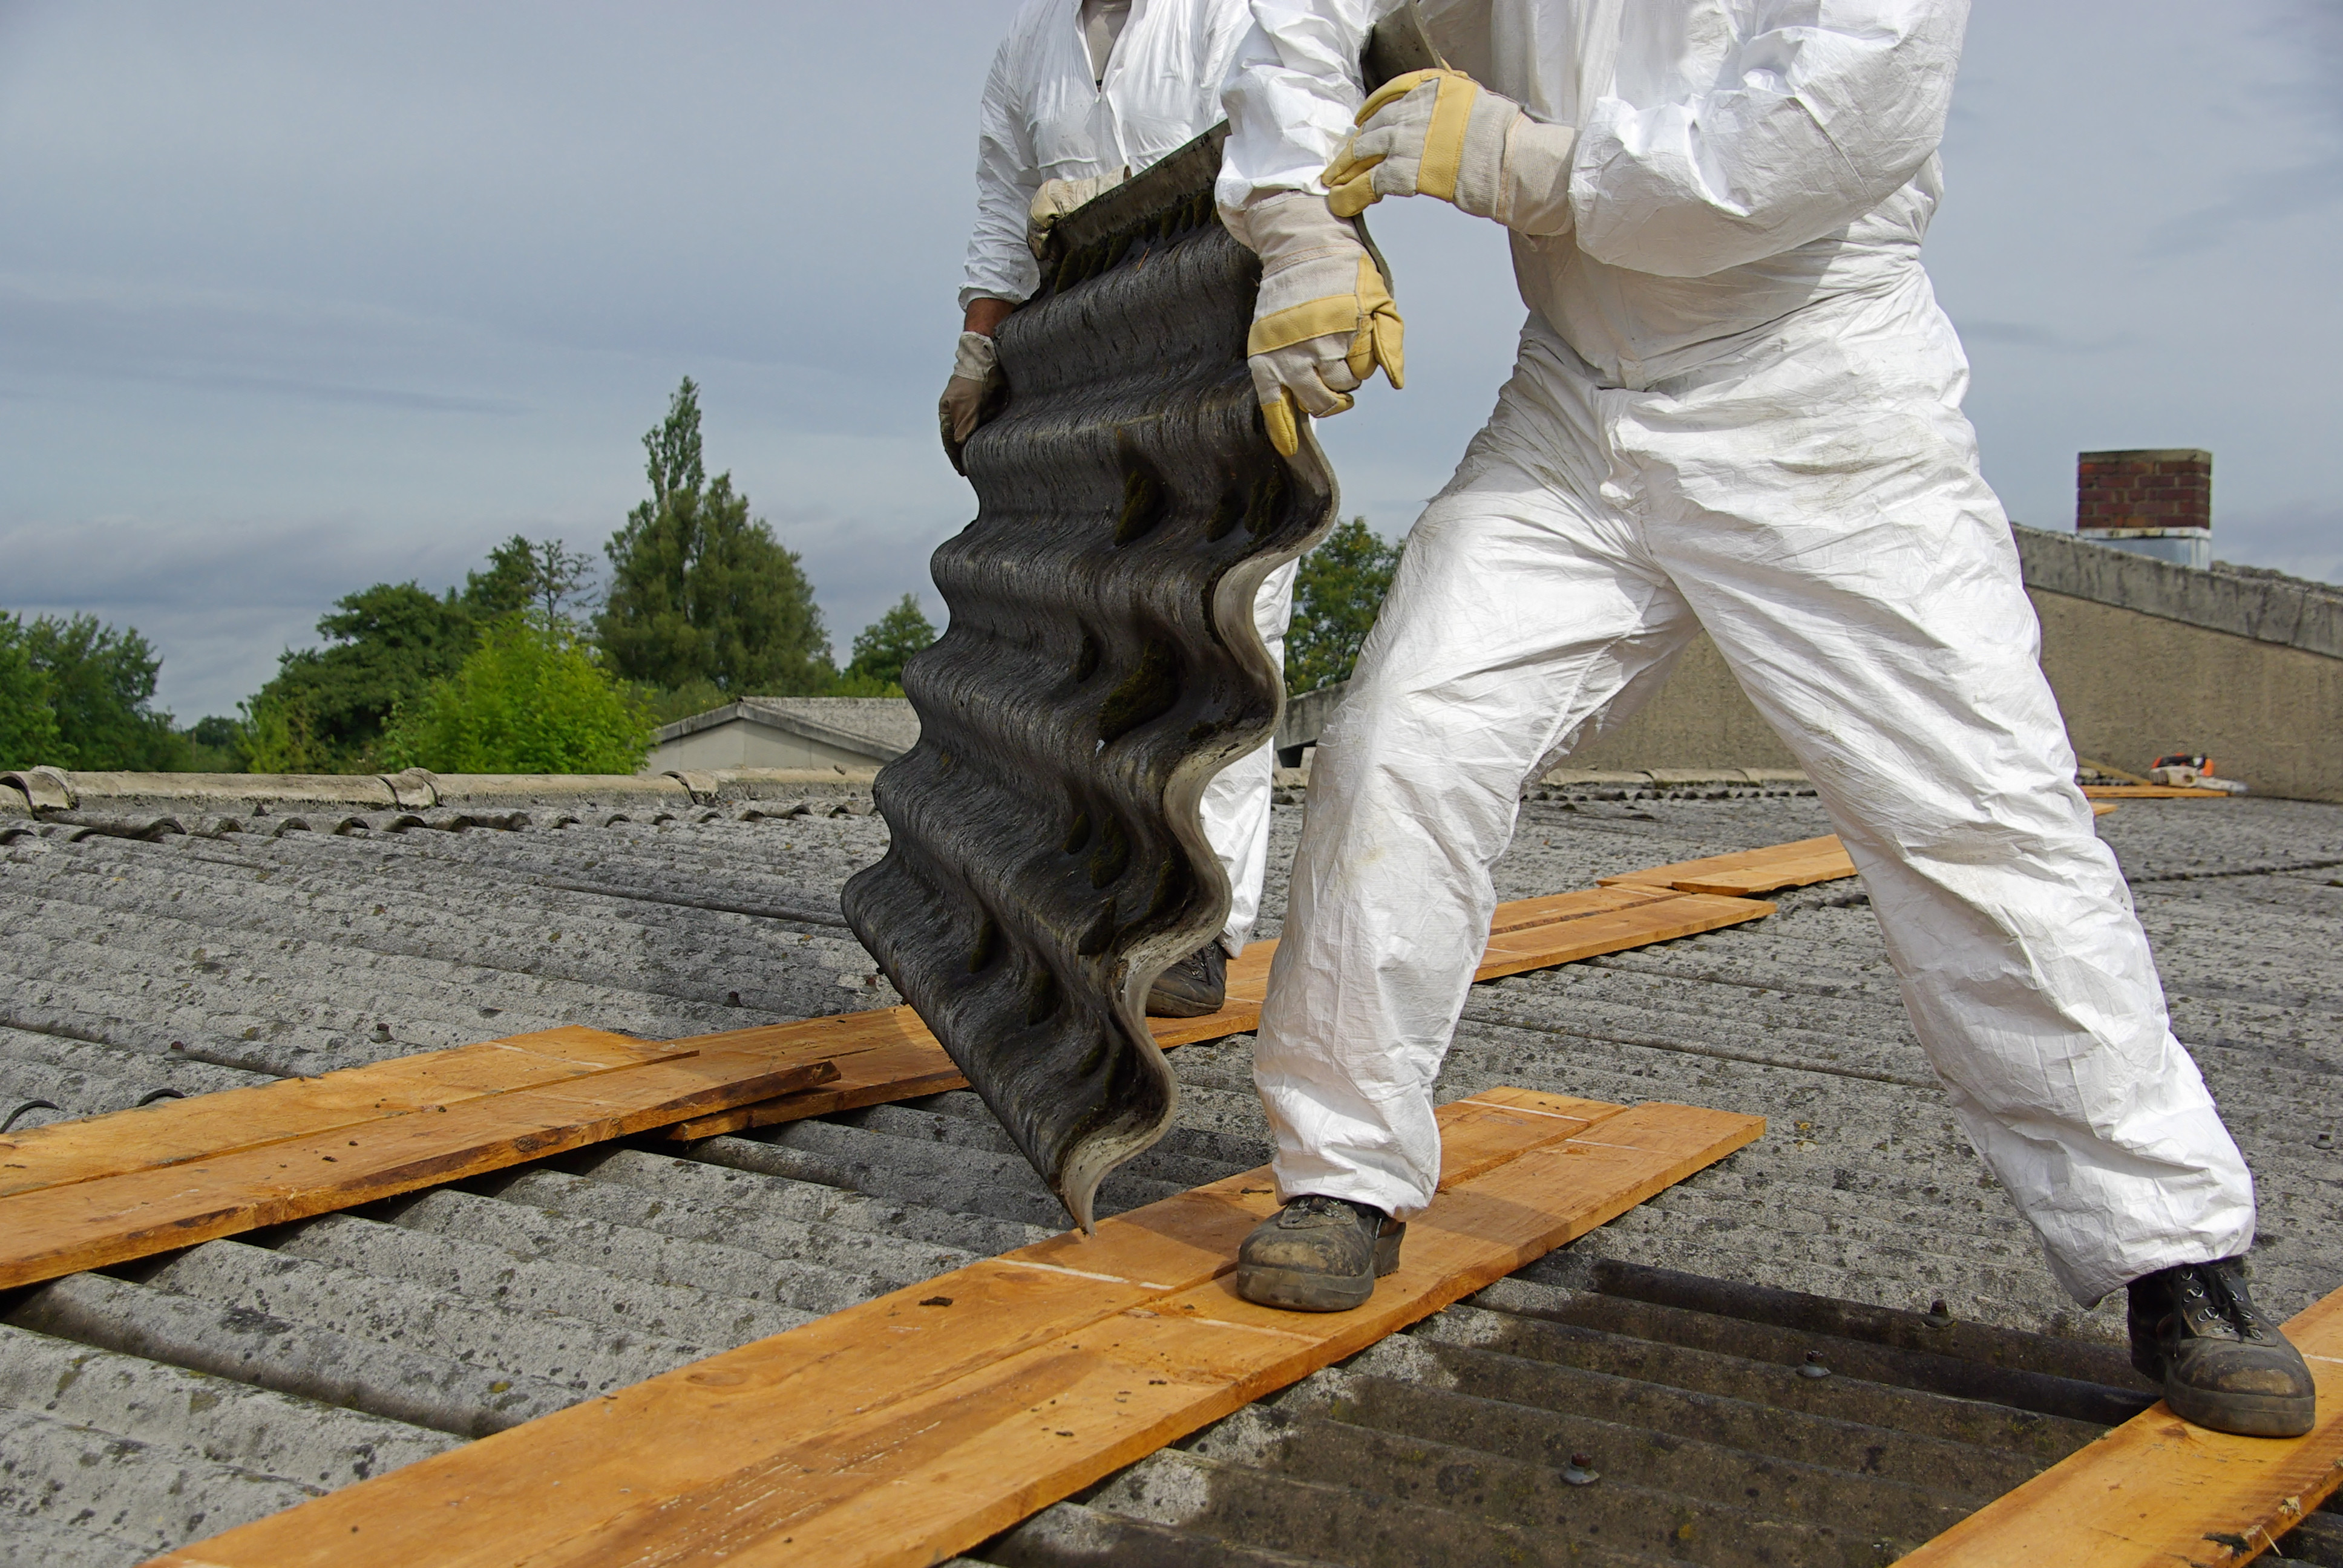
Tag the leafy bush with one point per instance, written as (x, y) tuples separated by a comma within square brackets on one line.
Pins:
[(530, 698)]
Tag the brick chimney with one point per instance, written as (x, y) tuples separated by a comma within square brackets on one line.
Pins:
[(2153, 503)]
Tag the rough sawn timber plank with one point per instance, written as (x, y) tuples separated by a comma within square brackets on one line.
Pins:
[(1746, 871), (1526, 934), (2152, 792), (2158, 1493), (210, 1124), (915, 1425), (89, 1223)]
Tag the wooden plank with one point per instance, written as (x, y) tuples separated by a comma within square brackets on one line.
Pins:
[(2104, 809), (1526, 934), (2160, 1491), (172, 1131), (2153, 792), (87, 1224), (915, 1425), (1746, 871), (895, 1348), (1591, 936)]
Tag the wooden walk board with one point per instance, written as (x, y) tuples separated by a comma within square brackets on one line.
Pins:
[(2158, 1492), (172, 1131), (1747, 871), (2152, 792), (319, 1159), (915, 1425), (1527, 934)]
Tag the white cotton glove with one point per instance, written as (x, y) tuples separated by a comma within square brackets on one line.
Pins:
[(1324, 319), (1442, 134), (1055, 199), (976, 371)]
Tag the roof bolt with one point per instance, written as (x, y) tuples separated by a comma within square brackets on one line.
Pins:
[(1578, 1472), (1814, 1367), (2324, 1140), (1938, 1316)]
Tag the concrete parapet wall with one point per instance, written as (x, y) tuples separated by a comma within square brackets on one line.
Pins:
[(2133, 687)]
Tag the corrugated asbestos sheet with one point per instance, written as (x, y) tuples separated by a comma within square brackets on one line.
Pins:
[(1102, 665), (153, 1404)]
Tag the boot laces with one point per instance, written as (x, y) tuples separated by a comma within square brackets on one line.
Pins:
[(2211, 1301)]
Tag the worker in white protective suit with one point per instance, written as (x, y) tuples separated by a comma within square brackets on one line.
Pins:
[(1083, 93), (1737, 408)]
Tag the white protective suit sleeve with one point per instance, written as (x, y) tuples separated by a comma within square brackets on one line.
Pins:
[(1290, 93), (1823, 109), (1000, 266)]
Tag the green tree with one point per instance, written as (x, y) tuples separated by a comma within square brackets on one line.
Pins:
[(1336, 593), (100, 684), (216, 745), (541, 575), (326, 708), (28, 717), (881, 649), (530, 698), (701, 591)]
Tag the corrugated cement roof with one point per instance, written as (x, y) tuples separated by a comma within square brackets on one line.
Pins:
[(156, 1403)]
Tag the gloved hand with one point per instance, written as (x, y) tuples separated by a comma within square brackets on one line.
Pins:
[(1442, 134), (976, 373), (1324, 319), (1055, 199)]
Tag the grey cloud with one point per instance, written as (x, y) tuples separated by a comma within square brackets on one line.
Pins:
[(298, 299)]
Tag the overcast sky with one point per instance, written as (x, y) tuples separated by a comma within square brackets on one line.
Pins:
[(298, 298)]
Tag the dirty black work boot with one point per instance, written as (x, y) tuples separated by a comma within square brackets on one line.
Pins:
[(1194, 986), (2194, 1329), (1318, 1255)]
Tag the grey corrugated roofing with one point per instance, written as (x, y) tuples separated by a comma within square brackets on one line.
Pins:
[(155, 1404)]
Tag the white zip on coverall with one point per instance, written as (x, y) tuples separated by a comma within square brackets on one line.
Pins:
[(1046, 116), (1736, 408)]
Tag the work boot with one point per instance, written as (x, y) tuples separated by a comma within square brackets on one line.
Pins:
[(1194, 986), (1318, 1254), (2194, 1329)]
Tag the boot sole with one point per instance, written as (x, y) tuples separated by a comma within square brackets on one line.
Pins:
[(1161, 1004), (2244, 1414), (1304, 1290)]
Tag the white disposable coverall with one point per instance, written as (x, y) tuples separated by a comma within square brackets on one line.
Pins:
[(1736, 408)]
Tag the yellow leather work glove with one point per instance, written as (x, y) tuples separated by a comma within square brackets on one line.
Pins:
[(1442, 134), (1323, 320)]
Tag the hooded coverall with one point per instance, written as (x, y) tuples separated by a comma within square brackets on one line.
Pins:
[(1736, 408), (1046, 116)]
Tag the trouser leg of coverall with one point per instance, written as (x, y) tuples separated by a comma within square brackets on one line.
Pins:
[(1506, 627), (1889, 641), (1235, 805)]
